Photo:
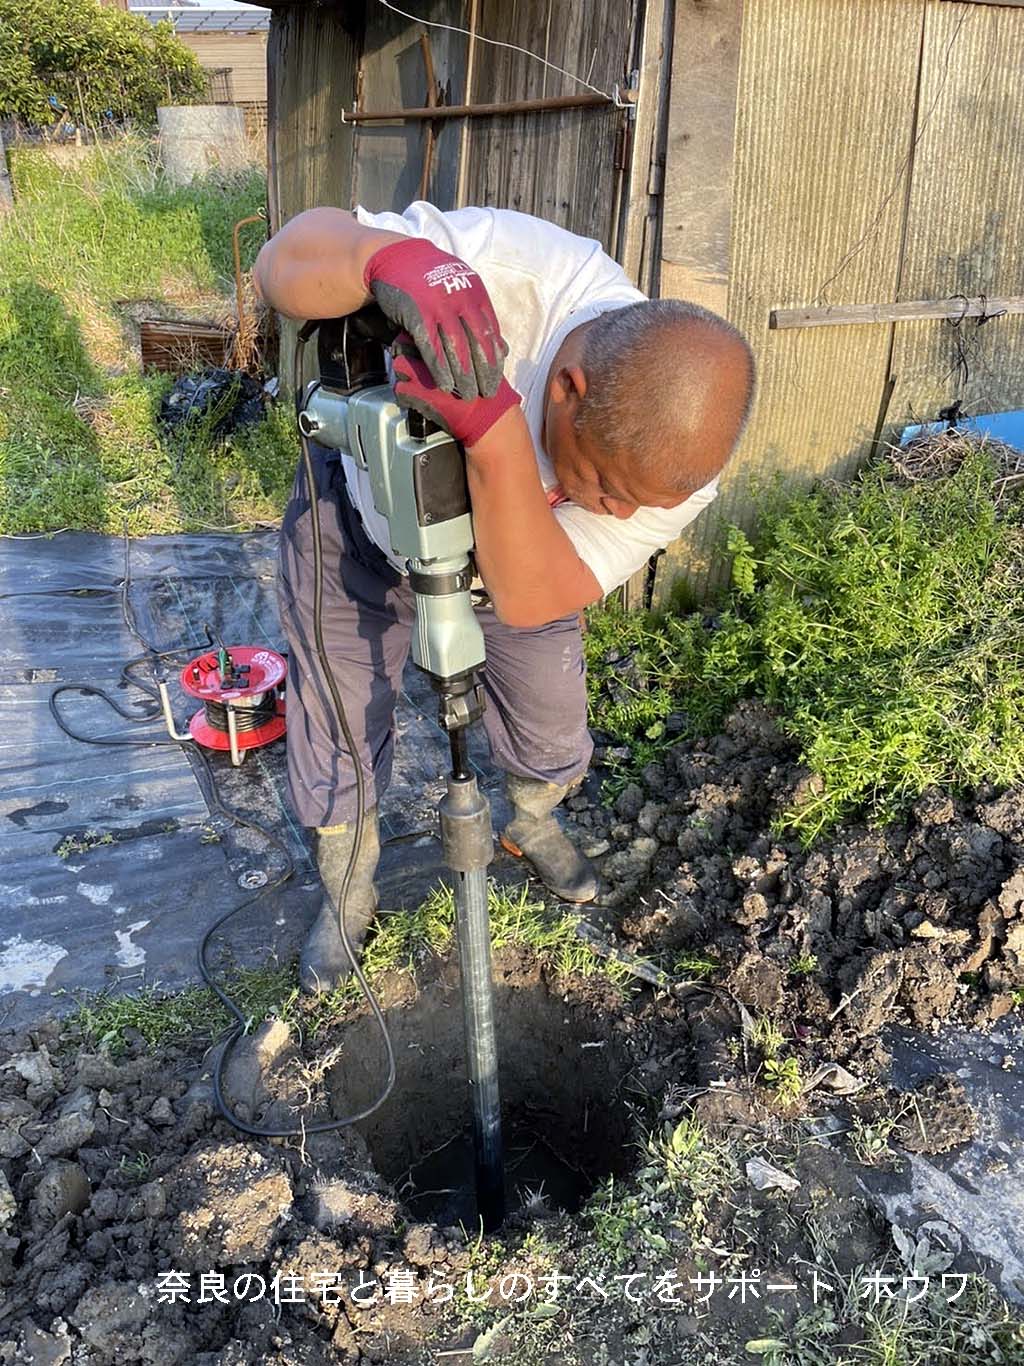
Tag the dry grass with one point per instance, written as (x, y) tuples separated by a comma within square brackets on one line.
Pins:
[(248, 328), (928, 458)]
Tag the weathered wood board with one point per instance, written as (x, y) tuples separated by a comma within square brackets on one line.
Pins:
[(389, 157), (311, 75), (697, 227), (560, 165), (957, 306), (311, 58), (640, 211)]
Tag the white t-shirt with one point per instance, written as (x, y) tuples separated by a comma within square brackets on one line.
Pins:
[(543, 282)]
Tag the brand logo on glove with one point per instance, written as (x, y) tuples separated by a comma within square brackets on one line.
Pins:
[(454, 275)]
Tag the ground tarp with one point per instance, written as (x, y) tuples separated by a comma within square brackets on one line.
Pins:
[(112, 864)]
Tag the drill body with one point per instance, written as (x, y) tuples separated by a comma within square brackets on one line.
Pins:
[(417, 475)]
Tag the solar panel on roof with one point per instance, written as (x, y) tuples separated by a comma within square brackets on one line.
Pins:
[(190, 18)]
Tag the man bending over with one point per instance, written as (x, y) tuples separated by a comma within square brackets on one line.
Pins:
[(596, 423)]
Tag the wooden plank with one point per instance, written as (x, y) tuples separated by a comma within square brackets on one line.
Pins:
[(178, 344), (312, 54), (639, 212), (469, 84), (559, 166), (639, 251), (389, 158), (963, 233), (699, 161), (957, 307), (826, 94), (697, 200), (311, 65)]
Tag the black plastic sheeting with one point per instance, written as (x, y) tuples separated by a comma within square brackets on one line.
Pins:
[(111, 865), (978, 1189)]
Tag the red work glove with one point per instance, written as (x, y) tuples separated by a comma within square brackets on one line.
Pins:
[(466, 419), (442, 303)]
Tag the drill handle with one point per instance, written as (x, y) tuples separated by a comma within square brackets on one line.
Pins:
[(351, 349)]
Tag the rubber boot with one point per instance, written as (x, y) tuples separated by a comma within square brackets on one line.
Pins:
[(534, 833), (324, 962)]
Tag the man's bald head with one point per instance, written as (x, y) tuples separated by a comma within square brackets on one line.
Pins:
[(669, 387)]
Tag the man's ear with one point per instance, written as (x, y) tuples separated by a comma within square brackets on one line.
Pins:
[(568, 385)]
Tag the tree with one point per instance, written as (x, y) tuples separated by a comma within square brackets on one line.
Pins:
[(97, 61)]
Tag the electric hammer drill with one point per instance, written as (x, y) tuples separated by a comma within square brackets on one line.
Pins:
[(417, 474)]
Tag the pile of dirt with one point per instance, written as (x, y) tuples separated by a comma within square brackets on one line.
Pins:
[(918, 923), (117, 1175), (136, 1226), (117, 1171)]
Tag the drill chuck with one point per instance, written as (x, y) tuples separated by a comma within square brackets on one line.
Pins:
[(447, 640)]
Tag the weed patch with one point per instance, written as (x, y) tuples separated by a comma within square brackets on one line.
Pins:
[(880, 621), (400, 943), (80, 445), (161, 1018), (684, 1171)]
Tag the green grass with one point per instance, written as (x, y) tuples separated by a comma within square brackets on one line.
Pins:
[(803, 964), (880, 621), (695, 966), (400, 943), (79, 442), (162, 1018)]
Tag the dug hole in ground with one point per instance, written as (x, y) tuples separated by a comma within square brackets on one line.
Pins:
[(803, 1148)]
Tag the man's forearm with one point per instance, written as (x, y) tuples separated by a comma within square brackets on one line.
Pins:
[(528, 563), (314, 267)]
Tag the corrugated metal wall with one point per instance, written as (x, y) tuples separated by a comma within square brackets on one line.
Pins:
[(878, 156), (964, 231)]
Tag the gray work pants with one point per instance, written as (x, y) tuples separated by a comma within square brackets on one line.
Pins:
[(535, 680)]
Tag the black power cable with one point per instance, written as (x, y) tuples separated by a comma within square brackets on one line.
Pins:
[(323, 1126), (213, 800), (246, 718)]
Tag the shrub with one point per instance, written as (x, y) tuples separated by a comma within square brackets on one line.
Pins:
[(880, 620), (105, 62)]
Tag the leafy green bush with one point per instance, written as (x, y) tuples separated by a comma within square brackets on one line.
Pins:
[(881, 620), (93, 58)]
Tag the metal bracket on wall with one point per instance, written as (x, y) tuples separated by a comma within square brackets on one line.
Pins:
[(628, 97)]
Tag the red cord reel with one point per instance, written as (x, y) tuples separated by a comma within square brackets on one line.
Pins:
[(240, 688)]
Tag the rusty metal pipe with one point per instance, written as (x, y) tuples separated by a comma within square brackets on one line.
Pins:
[(472, 111), (259, 217)]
